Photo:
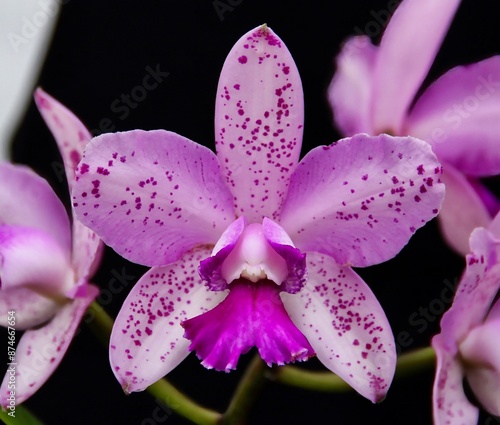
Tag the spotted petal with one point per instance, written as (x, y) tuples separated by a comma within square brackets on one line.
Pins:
[(258, 122), (147, 338), (151, 195), (28, 200), (41, 350), (346, 326), (405, 55), (450, 404), (70, 134), (361, 199)]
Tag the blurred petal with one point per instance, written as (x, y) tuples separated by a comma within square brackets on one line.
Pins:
[(252, 315), (258, 122), (70, 134), (476, 291), (350, 92), (361, 199), (405, 55), (151, 195), (346, 326), (147, 338), (87, 252), (31, 309), (31, 258), (28, 200), (480, 351), (459, 115), (463, 210), (41, 350), (450, 404)]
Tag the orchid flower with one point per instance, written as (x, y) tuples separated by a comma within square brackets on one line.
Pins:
[(468, 345), (46, 261), (248, 247), (373, 91)]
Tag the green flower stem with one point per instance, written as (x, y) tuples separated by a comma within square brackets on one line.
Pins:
[(101, 324), (408, 364), (23, 417), (247, 391)]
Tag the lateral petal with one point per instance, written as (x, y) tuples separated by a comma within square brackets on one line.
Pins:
[(346, 326), (450, 404), (405, 55), (351, 90), (463, 210), (28, 200), (147, 338), (151, 195), (458, 115), (361, 199), (259, 115), (41, 350)]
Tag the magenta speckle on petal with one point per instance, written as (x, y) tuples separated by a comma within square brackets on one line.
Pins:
[(242, 59)]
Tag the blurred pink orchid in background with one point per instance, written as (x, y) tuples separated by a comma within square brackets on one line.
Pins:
[(468, 345), (45, 265), (375, 88), (273, 240)]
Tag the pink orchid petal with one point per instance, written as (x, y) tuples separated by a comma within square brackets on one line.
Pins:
[(405, 55), (87, 252), (463, 210), (69, 132), (252, 315), (458, 114), (350, 92), (72, 137), (450, 404), (41, 350), (32, 309), (361, 199), (32, 258), (28, 200), (346, 326), (147, 338), (480, 351), (151, 195), (258, 122), (476, 291)]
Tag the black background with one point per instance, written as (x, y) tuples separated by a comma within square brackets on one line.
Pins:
[(100, 51)]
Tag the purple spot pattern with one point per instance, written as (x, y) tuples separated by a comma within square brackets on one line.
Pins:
[(379, 197), (258, 125), (169, 201), (358, 340), (149, 323)]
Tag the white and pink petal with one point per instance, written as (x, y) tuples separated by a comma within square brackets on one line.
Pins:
[(147, 339), (361, 199), (151, 195), (346, 326), (41, 350), (450, 404), (259, 121)]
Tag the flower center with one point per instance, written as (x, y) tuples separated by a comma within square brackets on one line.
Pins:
[(254, 259)]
